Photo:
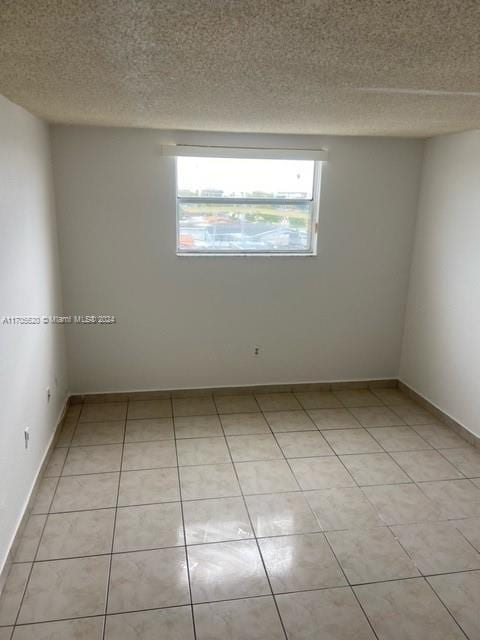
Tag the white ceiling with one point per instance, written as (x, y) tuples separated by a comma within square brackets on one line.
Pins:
[(293, 66)]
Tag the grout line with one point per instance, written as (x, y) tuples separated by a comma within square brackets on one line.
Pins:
[(134, 504), (109, 575), (477, 551), (350, 586), (462, 630), (259, 551), (242, 495), (425, 577), (440, 451), (185, 549), (206, 464), (141, 504), (347, 586), (260, 537)]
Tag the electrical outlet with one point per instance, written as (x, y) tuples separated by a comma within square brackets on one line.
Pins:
[(26, 434), (256, 351)]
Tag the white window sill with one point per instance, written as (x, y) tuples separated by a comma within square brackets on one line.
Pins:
[(205, 254)]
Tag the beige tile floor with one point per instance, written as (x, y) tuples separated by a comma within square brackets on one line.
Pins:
[(334, 515)]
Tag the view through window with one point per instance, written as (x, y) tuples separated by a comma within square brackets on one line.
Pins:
[(236, 205)]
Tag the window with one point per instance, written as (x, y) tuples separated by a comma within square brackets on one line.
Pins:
[(246, 205)]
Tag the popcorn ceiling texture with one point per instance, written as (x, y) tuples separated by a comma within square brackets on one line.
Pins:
[(293, 66)]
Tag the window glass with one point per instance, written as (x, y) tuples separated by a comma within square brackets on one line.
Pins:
[(230, 205)]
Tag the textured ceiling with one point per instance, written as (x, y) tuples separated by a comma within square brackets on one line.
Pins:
[(296, 66)]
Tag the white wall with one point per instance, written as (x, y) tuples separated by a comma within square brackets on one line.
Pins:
[(30, 356), (441, 350), (192, 322)]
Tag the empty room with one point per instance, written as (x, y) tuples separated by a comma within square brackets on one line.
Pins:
[(239, 320)]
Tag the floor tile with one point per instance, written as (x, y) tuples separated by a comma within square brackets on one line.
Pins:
[(149, 455), (303, 444), (226, 570), (281, 514), (198, 427), (329, 614), (281, 421), (236, 404), (413, 414), (289, 523), (195, 451), (318, 399), (345, 508), (321, 473), (254, 447), (437, 547), (148, 486), (216, 520), (78, 493), (6, 632), (439, 436), (376, 416), (80, 629), (358, 398), (73, 412), (334, 419), (374, 468), (407, 610), (150, 526), (62, 589), (265, 477), (398, 439), (277, 401), (460, 593), (171, 624), (470, 528), (392, 397), (243, 424), (466, 460), (66, 434), (300, 562), (55, 463), (351, 441), (12, 593), (44, 497), (422, 466), (148, 580), (371, 555), (208, 481), (454, 498), (248, 619), (199, 406), (98, 433), (148, 430), (81, 533), (401, 503), (103, 411), (93, 459), (138, 409), (28, 544)]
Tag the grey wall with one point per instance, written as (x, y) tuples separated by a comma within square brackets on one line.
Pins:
[(32, 357), (192, 322), (441, 350)]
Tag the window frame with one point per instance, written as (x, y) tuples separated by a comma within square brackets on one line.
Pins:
[(314, 222)]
